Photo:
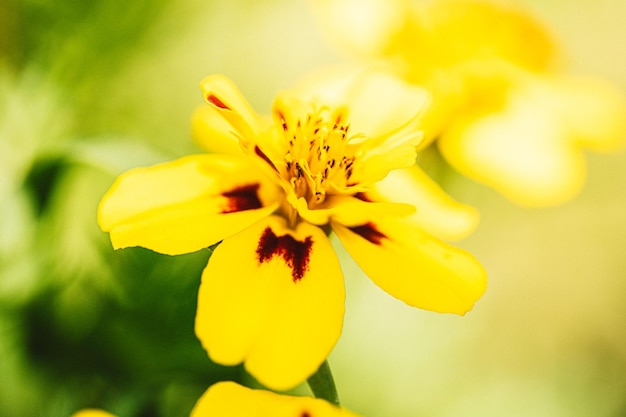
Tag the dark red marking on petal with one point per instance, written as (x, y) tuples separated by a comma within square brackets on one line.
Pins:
[(281, 117), (295, 253), (363, 197), (369, 232), (305, 414), (242, 198), (264, 157), (213, 99)]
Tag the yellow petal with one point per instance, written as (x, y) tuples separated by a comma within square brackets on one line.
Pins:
[(593, 110), (436, 212), (213, 132), (525, 150), (233, 400), (381, 106), (92, 413), (397, 151), (223, 96), (414, 266), (273, 298), (351, 210), (187, 204)]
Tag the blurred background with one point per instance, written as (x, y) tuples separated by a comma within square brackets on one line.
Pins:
[(91, 89)]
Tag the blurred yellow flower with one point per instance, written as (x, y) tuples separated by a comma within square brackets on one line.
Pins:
[(233, 400), (500, 112), (272, 294)]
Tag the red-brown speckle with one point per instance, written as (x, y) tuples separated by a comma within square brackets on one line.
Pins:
[(295, 253), (264, 157), (213, 99), (363, 197), (283, 122), (369, 232), (242, 198)]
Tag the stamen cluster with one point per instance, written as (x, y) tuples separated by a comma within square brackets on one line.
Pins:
[(320, 156)]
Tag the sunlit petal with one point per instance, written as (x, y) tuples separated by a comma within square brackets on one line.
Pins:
[(273, 298), (213, 132), (414, 266), (185, 205), (379, 104), (352, 210), (233, 400), (221, 94)]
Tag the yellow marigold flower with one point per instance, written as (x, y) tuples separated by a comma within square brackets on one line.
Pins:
[(272, 294), (233, 400), (500, 112)]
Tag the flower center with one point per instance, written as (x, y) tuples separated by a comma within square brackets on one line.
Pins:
[(320, 156)]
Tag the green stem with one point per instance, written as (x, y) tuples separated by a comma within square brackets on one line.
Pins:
[(322, 384)]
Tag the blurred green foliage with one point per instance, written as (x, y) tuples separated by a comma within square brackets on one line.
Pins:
[(81, 326)]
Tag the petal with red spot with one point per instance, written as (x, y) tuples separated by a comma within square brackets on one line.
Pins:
[(413, 265), (272, 297), (187, 204), (233, 400)]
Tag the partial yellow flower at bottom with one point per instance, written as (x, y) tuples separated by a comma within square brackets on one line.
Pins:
[(272, 294), (233, 400), (92, 412), (500, 114)]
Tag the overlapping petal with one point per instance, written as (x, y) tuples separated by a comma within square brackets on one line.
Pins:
[(233, 400), (187, 204), (378, 103), (437, 212), (213, 132), (413, 265), (384, 114), (225, 98), (273, 298), (352, 208)]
